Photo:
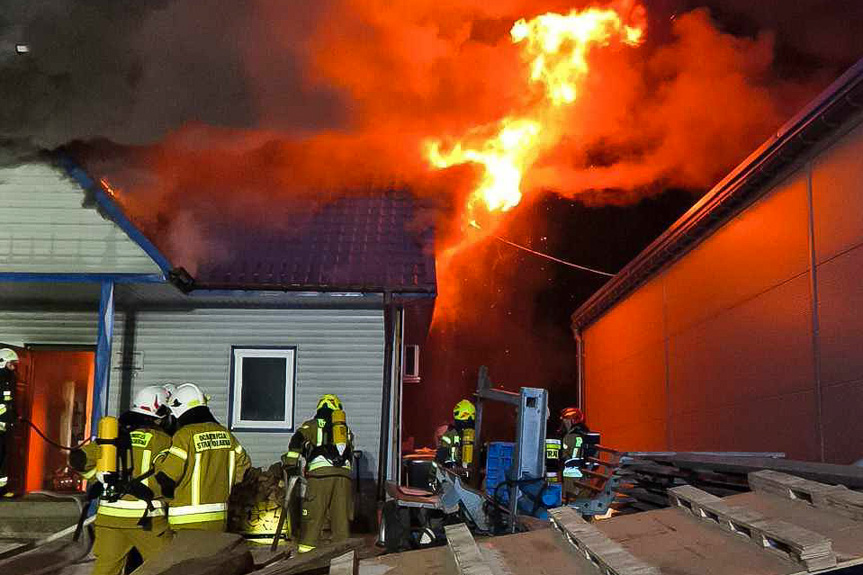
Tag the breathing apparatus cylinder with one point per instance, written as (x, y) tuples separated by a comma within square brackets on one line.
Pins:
[(340, 430), (107, 433), (467, 438)]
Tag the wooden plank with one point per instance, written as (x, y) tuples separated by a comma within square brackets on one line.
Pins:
[(318, 557), (344, 564), (608, 556), (836, 498), (848, 475), (468, 559), (806, 547)]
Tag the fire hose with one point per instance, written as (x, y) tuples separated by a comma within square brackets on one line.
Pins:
[(51, 442)]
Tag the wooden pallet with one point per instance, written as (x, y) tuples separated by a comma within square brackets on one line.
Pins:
[(774, 530)]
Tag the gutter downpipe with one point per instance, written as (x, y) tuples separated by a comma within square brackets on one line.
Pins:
[(579, 354), (386, 399)]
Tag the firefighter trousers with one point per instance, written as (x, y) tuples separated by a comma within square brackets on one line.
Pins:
[(326, 496), (113, 544), (4, 475)]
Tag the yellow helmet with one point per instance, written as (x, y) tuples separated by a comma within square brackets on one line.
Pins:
[(464, 410), (331, 401)]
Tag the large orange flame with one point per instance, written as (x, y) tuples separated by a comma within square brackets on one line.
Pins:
[(555, 46)]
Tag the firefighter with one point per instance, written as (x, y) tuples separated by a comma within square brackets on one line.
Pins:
[(455, 447), (126, 523), (572, 452), (8, 365), (201, 466), (326, 445)]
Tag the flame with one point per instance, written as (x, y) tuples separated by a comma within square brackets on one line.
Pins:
[(555, 46)]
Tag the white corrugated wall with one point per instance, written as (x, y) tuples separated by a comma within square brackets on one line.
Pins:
[(338, 351), (44, 228)]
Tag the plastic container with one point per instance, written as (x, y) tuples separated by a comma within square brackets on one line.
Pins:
[(497, 464)]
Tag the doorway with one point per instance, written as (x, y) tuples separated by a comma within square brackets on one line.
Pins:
[(58, 399)]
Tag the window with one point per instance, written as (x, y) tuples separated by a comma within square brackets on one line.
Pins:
[(262, 388), (412, 364)]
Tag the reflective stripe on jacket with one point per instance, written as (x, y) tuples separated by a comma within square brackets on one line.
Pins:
[(205, 461), (147, 445), (306, 439)]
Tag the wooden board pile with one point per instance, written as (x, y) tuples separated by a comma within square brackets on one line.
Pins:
[(256, 503)]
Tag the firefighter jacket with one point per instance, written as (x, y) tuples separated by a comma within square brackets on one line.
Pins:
[(148, 442), (572, 451), (7, 399), (449, 448), (313, 441), (203, 463)]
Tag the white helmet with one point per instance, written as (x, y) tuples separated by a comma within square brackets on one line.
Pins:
[(151, 400), (7, 355), (187, 396), (170, 388)]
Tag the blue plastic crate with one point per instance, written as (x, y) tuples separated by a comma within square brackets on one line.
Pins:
[(497, 464)]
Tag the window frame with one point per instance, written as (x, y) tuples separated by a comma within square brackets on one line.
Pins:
[(235, 388)]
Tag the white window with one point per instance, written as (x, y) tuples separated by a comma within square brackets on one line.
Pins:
[(262, 388)]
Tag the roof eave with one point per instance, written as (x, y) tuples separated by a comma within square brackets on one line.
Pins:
[(809, 127), (109, 208)]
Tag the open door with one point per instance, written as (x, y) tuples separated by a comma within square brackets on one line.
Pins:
[(59, 404), (16, 436), (54, 394)]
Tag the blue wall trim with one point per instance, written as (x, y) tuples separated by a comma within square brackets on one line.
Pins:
[(114, 212), (82, 278), (104, 337)]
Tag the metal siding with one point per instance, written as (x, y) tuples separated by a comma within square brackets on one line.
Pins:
[(625, 395), (45, 229), (48, 327), (761, 248), (757, 354), (339, 351), (836, 187), (737, 324), (840, 293)]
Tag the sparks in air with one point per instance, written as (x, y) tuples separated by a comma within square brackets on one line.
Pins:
[(555, 47)]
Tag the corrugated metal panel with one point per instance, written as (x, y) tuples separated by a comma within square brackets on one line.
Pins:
[(339, 351), (43, 327), (45, 229)]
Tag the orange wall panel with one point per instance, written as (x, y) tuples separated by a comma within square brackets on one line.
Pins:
[(762, 247), (836, 186)]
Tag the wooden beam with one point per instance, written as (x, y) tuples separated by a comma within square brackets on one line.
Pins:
[(608, 556), (810, 549), (344, 564), (847, 475), (319, 557), (468, 559), (835, 498)]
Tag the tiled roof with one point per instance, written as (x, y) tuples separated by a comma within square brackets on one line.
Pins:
[(355, 243)]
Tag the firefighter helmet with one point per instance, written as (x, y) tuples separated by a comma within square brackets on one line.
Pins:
[(574, 414), (170, 388), (7, 356), (464, 410), (186, 397), (152, 401), (331, 401)]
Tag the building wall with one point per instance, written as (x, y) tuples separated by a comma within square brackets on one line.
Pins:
[(44, 228), (339, 351), (749, 342)]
